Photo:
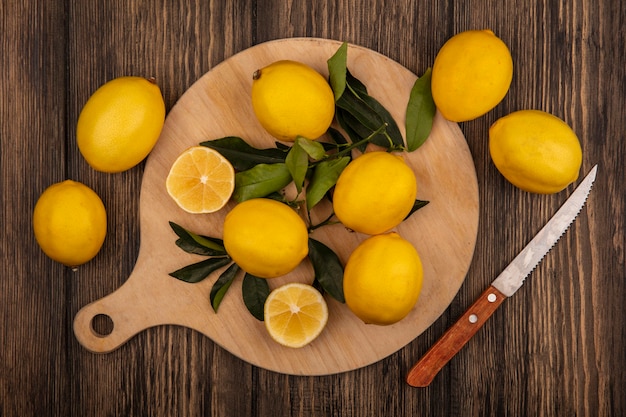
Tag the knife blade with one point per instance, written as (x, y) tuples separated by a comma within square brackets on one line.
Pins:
[(504, 286)]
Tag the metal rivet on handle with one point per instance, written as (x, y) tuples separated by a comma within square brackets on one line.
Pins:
[(473, 318), (491, 297)]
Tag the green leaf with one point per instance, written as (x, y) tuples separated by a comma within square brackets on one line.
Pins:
[(260, 181), (255, 291), (222, 285), (360, 118), (197, 244), (392, 132), (416, 206), (313, 148), (336, 136), (361, 111), (328, 269), (197, 272), (420, 112), (242, 156), (342, 116), (298, 164), (324, 178), (337, 67)]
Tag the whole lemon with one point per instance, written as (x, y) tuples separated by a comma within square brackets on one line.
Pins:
[(471, 74), (383, 279), (374, 193), (120, 123), (535, 151), (69, 221), (291, 99), (265, 237)]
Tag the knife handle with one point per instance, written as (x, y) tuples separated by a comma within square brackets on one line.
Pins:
[(424, 371)]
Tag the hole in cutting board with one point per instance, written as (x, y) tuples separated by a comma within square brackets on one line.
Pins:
[(102, 325)]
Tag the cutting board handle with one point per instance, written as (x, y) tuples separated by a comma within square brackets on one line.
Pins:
[(124, 321)]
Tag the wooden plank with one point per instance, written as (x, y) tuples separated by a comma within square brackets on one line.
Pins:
[(557, 347)]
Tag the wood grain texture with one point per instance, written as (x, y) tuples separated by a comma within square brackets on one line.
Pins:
[(555, 348)]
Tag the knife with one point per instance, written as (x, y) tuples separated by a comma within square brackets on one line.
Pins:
[(505, 285)]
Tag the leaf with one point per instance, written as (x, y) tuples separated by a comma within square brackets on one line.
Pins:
[(342, 116), (324, 178), (242, 156), (362, 119), (298, 164), (361, 111), (313, 148), (197, 272), (254, 291), (392, 132), (222, 285), (197, 244), (416, 206), (328, 269), (261, 181), (336, 136), (420, 112), (337, 68)]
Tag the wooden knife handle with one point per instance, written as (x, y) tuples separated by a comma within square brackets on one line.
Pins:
[(424, 371)]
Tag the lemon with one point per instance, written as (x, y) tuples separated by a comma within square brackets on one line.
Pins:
[(201, 180), (374, 193), (266, 238), (383, 279), (295, 314), (290, 99), (69, 221), (120, 123), (536, 151), (471, 74)]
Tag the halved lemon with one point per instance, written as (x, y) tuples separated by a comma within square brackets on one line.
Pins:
[(201, 180), (295, 314)]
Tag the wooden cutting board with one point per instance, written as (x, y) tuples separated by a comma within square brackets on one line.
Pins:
[(218, 105)]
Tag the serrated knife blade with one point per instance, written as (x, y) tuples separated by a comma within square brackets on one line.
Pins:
[(505, 285)]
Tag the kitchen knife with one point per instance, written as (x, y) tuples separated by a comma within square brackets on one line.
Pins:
[(505, 285)]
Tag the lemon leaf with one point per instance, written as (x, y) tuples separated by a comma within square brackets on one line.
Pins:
[(254, 291), (337, 137), (328, 269), (298, 164), (313, 148), (337, 68), (324, 178), (416, 206), (199, 271), (392, 130), (221, 286), (420, 112), (260, 181), (197, 244), (243, 156)]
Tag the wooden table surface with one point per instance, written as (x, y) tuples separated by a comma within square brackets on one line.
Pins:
[(556, 348)]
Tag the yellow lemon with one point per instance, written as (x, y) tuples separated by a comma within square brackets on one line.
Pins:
[(120, 123), (201, 180), (291, 99), (535, 151), (383, 279), (374, 193), (295, 314), (471, 74), (266, 238), (69, 221)]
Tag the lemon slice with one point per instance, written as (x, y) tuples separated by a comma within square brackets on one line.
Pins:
[(295, 314), (201, 180)]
